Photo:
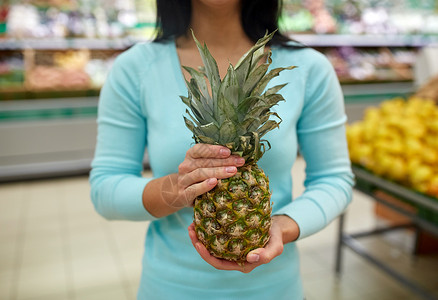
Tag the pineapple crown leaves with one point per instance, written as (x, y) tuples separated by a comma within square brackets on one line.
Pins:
[(234, 112)]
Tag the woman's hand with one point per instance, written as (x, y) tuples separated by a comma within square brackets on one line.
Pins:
[(197, 174), (283, 230)]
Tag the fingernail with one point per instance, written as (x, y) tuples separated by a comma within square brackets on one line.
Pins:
[(211, 181), (252, 258), (225, 152), (230, 169), (240, 161)]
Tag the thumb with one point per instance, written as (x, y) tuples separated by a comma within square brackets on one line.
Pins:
[(264, 255)]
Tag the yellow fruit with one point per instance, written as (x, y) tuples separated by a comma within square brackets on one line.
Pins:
[(372, 114), (432, 141), (429, 155), (413, 146), (369, 131), (354, 132), (399, 140), (413, 164), (421, 174), (433, 124), (398, 169), (383, 163)]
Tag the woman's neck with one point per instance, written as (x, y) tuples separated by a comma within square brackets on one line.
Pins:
[(219, 26)]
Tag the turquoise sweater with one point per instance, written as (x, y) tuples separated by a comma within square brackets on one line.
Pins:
[(140, 107)]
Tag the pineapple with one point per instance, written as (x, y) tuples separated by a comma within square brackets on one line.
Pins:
[(235, 217)]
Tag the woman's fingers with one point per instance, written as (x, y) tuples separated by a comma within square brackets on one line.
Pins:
[(208, 151), (197, 189), (189, 165), (217, 263), (184, 197), (272, 249), (254, 258), (220, 264), (200, 175)]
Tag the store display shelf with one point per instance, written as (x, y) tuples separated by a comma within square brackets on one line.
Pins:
[(424, 216), (368, 182), (66, 106), (48, 109), (66, 43), (21, 93), (339, 40), (86, 105), (376, 91), (313, 40), (52, 169), (45, 138)]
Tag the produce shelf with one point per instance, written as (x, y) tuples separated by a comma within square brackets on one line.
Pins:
[(339, 40), (423, 217), (66, 43), (369, 183), (23, 94), (48, 109), (313, 40)]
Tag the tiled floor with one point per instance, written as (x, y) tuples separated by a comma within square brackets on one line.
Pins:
[(54, 246)]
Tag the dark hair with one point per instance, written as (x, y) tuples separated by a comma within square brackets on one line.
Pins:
[(173, 19)]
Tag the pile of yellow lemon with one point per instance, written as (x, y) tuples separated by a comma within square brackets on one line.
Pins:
[(399, 140), (72, 59)]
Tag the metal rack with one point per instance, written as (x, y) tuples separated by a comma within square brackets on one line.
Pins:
[(371, 185)]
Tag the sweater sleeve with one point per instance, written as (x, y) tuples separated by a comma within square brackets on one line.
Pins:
[(115, 179), (322, 143)]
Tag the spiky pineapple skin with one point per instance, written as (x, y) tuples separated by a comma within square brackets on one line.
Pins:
[(235, 217)]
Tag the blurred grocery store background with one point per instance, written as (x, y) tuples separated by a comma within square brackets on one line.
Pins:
[(54, 58)]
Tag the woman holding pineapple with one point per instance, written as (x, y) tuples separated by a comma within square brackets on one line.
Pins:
[(220, 182)]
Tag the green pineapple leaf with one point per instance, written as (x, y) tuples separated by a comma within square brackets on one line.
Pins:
[(259, 110), (210, 130), (193, 119), (256, 142), (200, 102), (266, 117), (273, 99), (268, 126), (226, 110), (236, 111), (185, 100), (201, 83), (252, 123), (198, 105), (251, 58), (255, 76), (199, 112), (227, 132), (262, 143), (189, 124), (230, 87), (265, 80), (245, 105), (210, 65), (205, 140), (274, 90)]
